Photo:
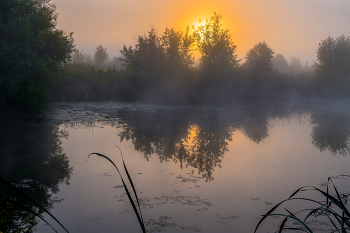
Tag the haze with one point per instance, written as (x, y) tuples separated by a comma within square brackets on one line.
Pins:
[(290, 27)]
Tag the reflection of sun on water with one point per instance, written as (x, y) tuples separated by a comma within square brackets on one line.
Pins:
[(192, 134)]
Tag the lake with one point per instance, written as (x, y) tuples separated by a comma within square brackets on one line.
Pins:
[(195, 168)]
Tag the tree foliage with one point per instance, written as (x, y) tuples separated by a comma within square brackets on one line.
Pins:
[(31, 50), (333, 66), (258, 59), (215, 45), (177, 47), (100, 56), (280, 64), (78, 56), (147, 55), (295, 65)]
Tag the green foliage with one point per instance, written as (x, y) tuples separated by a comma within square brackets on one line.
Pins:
[(78, 56), (280, 64), (86, 82), (100, 56), (333, 66), (216, 46), (295, 65), (148, 55), (177, 47), (22, 216), (31, 49), (258, 59)]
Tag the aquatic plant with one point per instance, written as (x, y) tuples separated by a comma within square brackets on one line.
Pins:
[(135, 205), (11, 207), (333, 208)]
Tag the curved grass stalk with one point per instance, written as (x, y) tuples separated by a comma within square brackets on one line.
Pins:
[(28, 210), (343, 219), (137, 209), (32, 200)]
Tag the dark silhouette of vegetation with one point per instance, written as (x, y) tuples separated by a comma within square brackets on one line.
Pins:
[(216, 47), (35, 168), (333, 66), (280, 64), (258, 60), (100, 56), (159, 68), (330, 132), (192, 138), (31, 51)]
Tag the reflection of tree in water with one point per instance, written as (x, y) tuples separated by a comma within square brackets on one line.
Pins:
[(178, 136), (31, 157), (151, 132), (330, 132), (255, 128), (208, 146)]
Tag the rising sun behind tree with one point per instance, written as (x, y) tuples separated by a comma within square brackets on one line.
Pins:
[(215, 45)]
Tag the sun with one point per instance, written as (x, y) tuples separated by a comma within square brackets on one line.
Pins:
[(199, 22)]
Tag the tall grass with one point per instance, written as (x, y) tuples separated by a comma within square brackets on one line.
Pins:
[(37, 209), (135, 205), (333, 207)]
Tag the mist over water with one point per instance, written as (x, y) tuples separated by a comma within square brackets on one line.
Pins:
[(196, 168)]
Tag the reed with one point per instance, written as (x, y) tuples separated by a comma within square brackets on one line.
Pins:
[(333, 208), (135, 204), (36, 209)]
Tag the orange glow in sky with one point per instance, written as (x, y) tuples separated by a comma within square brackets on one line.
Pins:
[(290, 27)]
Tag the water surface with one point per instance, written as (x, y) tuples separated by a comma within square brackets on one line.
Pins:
[(196, 169)]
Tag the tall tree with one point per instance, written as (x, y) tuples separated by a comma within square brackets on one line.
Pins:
[(100, 56), (295, 65), (280, 64), (78, 56), (31, 50), (177, 46), (215, 44), (333, 66), (147, 59), (258, 59)]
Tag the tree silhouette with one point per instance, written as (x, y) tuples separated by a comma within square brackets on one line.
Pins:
[(78, 56), (295, 65), (32, 158), (100, 56), (330, 132), (333, 66), (258, 59), (280, 64), (31, 51), (215, 45), (177, 47)]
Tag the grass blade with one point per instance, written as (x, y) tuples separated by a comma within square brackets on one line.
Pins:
[(29, 210), (132, 184), (138, 215), (32, 200)]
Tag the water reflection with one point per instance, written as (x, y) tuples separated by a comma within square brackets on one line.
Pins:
[(330, 132), (31, 158), (196, 138)]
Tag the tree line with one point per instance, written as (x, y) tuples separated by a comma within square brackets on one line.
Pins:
[(40, 63)]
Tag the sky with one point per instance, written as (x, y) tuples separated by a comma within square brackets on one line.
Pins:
[(289, 27)]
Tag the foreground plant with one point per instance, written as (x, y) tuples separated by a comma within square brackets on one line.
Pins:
[(137, 209), (22, 214), (333, 208)]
